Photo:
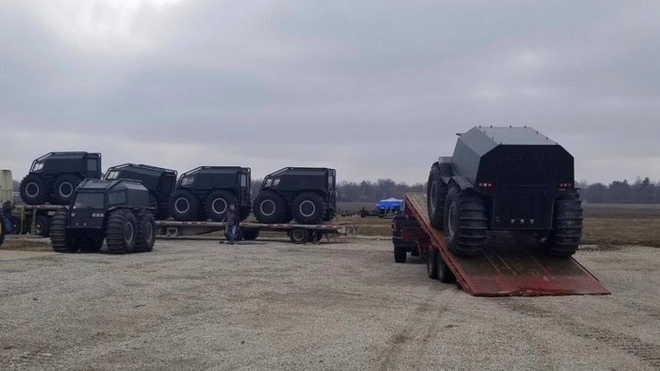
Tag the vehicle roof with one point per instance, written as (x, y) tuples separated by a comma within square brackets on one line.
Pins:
[(103, 185), (70, 155), (216, 169), (141, 168), (306, 170), (483, 139)]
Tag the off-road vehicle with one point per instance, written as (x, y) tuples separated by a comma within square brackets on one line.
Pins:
[(507, 179), (207, 191), (305, 194), (115, 210), (53, 177), (160, 183)]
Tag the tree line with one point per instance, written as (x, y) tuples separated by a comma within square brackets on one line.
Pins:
[(642, 191)]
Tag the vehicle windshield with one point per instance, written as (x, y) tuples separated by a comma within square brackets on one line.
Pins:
[(37, 166), (111, 175), (88, 201)]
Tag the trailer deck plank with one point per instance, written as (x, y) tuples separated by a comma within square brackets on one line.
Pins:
[(508, 269)]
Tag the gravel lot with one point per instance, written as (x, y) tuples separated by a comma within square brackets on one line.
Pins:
[(265, 305)]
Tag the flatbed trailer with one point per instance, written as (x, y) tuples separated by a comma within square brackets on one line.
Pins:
[(509, 270), (33, 219), (298, 233)]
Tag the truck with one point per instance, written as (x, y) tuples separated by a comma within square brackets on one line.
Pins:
[(499, 180), (54, 176), (207, 191), (117, 211), (505, 179), (305, 194), (159, 182)]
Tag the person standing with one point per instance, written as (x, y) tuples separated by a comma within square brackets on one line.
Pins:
[(233, 221)]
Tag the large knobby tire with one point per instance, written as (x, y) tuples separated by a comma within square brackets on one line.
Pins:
[(59, 236), (63, 189), (184, 205), (121, 232), (146, 233), (567, 226), (42, 226), (436, 196), (299, 235), (34, 189), (250, 234), (217, 204), (465, 222), (308, 208), (269, 207), (432, 257)]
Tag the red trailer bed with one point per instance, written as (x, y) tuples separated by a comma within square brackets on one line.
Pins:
[(506, 270)]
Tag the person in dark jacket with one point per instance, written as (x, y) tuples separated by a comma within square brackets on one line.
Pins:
[(233, 221)]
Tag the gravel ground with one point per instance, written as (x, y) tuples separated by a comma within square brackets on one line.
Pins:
[(265, 305)]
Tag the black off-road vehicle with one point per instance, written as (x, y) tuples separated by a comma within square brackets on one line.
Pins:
[(54, 176), (207, 191), (507, 179), (305, 194), (160, 183), (115, 210)]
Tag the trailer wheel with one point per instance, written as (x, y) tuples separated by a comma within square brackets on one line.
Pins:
[(269, 207), (120, 232), (445, 275), (299, 235), (466, 222), (308, 208), (250, 234), (33, 189), (42, 226), (432, 257), (146, 233), (184, 205), (567, 223), (59, 237), (436, 196), (63, 189), (315, 236), (217, 204)]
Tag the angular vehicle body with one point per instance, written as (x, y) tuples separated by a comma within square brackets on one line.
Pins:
[(508, 179), (54, 176), (207, 191), (306, 194), (115, 210), (159, 182)]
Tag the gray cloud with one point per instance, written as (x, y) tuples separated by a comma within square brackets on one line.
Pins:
[(375, 89)]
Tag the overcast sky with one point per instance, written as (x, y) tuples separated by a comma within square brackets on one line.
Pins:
[(375, 89)]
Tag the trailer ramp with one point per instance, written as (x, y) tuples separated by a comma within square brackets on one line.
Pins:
[(507, 269)]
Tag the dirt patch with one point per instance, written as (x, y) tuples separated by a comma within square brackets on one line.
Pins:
[(21, 243)]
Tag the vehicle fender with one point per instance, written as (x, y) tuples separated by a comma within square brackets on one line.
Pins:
[(461, 182)]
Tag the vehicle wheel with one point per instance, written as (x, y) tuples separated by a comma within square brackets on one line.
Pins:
[(42, 226), (33, 189), (308, 208), (445, 275), (567, 223), (466, 222), (432, 257), (15, 225), (59, 236), (63, 189), (315, 236), (269, 207), (250, 234), (400, 254), (120, 232), (184, 205), (217, 204), (436, 196), (146, 233), (299, 235)]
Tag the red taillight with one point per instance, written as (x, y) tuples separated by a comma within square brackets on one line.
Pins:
[(565, 185)]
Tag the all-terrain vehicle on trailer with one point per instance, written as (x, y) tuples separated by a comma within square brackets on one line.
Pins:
[(54, 176), (510, 179), (115, 210), (302, 193), (160, 183), (207, 191)]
